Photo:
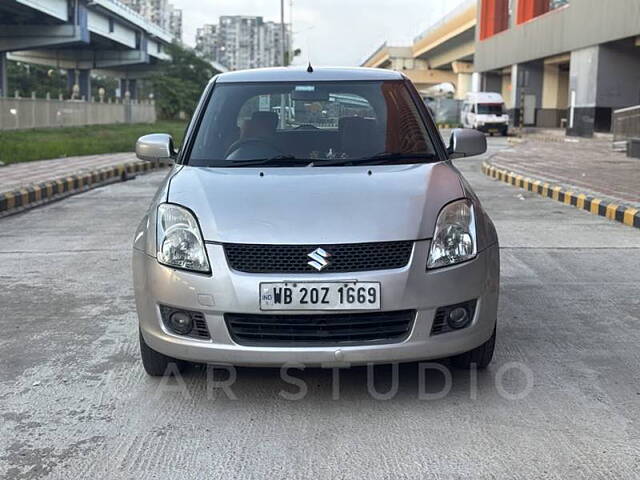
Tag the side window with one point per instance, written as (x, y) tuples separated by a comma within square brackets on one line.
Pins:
[(473, 108)]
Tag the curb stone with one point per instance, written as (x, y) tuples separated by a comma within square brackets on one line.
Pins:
[(29, 196), (613, 211)]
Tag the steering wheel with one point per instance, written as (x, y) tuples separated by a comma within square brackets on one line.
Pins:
[(256, 148)]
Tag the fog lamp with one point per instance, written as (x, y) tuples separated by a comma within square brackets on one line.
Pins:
[(180, 323), (458, 318)]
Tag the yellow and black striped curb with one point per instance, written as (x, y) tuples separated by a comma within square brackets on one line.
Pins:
[(37, 194), (620, 213)]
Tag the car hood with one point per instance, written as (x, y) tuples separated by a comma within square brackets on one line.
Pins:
[(316, 205)]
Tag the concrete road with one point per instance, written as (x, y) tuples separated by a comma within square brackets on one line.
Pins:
[(561, 400)]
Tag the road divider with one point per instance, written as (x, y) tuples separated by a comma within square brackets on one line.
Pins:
[(29, 196), (626, 214)]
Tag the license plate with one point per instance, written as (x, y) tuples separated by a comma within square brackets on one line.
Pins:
[(320, 296)]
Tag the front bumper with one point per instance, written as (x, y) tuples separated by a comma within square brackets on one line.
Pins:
[(493, 127), (228, 291)]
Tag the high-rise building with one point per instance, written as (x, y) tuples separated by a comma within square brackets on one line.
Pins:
[(160, 12), (207, 41), (175, 23), (240, 42)]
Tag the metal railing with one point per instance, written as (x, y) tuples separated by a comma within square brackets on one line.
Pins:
[(24, 113), (626, 124)]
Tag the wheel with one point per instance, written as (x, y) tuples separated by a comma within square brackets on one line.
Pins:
[(480, 356), (505, 132), (155, 363)]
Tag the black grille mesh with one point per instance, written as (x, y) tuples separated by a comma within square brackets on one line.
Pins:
[(348, 257), (319, 329)]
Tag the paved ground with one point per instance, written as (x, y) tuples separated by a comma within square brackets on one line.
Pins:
[(581, 164), (18, 175), (75, 403)]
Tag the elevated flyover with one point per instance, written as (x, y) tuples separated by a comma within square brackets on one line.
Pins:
[(449, 45), (80, 36), (401, 59)]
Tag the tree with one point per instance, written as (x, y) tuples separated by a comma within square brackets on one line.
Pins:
[(178, 83), (27, 78)]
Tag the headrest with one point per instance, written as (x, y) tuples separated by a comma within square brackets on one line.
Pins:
[(357, 135), (266, 119), (355, 123)]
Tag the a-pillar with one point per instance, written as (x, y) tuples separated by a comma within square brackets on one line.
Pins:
[(4, 84)]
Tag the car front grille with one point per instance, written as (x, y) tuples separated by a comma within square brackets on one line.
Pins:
[(319, 329), (347, 257)]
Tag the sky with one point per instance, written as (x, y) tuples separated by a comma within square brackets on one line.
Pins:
[(329, 32)]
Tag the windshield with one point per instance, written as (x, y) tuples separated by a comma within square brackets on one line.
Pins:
[(317, 123), (490, 108)]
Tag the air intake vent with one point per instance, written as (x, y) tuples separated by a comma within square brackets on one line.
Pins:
[(319, 330)]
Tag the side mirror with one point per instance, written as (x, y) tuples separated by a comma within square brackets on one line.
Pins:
[(155, 147), (466, 142)]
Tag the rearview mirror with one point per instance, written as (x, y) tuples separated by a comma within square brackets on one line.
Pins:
[(466, 142), (309, 93), (155, 147)]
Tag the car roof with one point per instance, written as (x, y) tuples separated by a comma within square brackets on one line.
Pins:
[(300, 74)]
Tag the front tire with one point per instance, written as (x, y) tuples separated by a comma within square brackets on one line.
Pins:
[(480, 356), (155, 363)]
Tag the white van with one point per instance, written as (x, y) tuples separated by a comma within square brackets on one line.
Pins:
[(485, 111)]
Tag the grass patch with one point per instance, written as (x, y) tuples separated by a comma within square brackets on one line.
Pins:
[(44, 143)]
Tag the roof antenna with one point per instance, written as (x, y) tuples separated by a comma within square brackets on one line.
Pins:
[(310, 68)]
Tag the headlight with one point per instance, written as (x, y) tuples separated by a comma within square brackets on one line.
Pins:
[(179, 241), (454, 239)]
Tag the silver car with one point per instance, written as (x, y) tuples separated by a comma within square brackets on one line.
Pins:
[(314, 216)]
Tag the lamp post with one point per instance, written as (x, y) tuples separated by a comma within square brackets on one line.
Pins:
[(282, 40)]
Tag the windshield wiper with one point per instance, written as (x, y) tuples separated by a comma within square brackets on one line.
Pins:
[(384, 158), (279, 160)]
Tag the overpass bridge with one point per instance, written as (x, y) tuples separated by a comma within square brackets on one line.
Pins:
[(449, 45), (401, 59), (443, 53), (80, 36)]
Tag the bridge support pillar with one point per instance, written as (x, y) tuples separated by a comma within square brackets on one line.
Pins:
[(463, 85), (79, 83), (4, 84), (129, 85), (464, 73)]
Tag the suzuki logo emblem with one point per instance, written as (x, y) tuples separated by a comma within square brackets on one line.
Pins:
[(319, 259)]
